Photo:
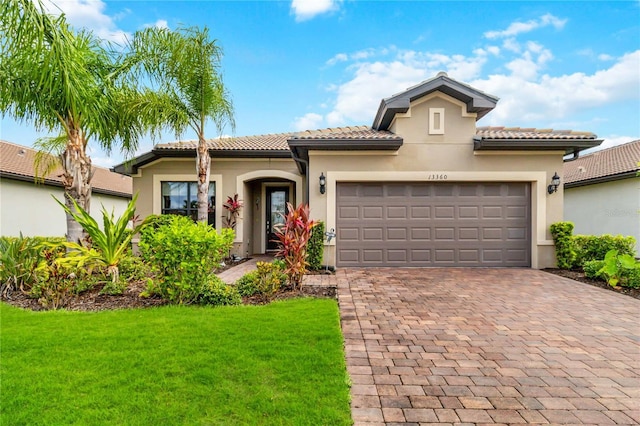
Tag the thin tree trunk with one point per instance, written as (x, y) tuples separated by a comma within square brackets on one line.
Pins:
[(203, 167), (77, 181)]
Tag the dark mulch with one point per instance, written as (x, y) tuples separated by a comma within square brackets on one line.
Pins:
[(289, 293), (579, 276)]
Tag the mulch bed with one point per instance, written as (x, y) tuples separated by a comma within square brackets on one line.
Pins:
[(579, 276)]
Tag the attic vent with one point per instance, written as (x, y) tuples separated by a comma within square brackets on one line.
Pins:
[(436, 121), (581, 169), (22, 152)]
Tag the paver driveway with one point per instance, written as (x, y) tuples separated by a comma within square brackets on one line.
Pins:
[(488, 346)]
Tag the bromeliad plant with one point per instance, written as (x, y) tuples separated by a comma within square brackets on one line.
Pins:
[(232, 206), (293, 238), (109, 246)]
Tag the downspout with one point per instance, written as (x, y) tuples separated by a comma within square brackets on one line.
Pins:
[(306, 170)]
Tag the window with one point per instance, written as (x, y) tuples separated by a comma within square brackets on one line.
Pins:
[(181, 198)]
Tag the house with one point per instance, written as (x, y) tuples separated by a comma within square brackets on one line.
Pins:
[(28, 207), (422, 186), (602, 191)]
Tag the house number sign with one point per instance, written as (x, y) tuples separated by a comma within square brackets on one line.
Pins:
[(436, 176)]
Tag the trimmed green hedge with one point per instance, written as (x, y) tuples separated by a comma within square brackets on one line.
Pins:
[(315, 247)]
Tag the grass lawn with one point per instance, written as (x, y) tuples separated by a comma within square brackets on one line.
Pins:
[(277, 364)]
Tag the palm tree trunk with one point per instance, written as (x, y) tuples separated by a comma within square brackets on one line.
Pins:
[(203, 166), (77, 181)]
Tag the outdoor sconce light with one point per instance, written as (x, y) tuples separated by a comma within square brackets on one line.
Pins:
[(323, 183), (555, 183)]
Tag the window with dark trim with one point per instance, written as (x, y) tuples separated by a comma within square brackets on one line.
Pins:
[(181, 198)]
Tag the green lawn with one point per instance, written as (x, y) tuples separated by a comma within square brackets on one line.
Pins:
[(277, 364)]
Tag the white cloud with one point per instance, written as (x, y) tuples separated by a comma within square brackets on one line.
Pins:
[(89, 14), (308, 121), (308, 9), (605, 57), (340, 57), (516, 28), (548, 98)]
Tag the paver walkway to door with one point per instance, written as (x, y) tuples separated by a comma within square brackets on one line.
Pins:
[(491, 346)]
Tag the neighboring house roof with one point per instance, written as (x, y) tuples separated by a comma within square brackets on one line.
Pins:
[(618, 162), (17, 162)]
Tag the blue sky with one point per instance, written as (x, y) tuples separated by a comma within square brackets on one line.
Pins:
[(296, 65)]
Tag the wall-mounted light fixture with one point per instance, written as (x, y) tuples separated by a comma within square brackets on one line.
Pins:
[(555, 183), (323, 183)]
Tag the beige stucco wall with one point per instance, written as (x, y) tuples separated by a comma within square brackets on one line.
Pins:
[(29, 208), (605, 208), (231, 176), (425, 157)]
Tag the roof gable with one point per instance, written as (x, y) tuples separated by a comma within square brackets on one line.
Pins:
[(475, 100), (17, 162), (618, 162)]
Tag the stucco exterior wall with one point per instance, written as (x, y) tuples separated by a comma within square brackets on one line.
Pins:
[(426, 157), (605, 208), (231, 176), (29, 208)]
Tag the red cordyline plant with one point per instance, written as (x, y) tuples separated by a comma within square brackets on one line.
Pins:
[(232, 206), (293, 237)]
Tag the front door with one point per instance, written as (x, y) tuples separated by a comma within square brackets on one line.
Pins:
[(277, 198)]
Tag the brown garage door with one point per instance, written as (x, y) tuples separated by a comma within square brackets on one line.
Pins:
[(433, 224)]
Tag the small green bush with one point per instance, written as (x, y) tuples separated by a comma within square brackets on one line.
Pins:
[(184, 254), (315, 248), (216, 293), (592, 269), (565, 248), (595, 247), (247, 284), (266, 280)]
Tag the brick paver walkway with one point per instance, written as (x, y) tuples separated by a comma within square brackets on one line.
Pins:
[(476, 346)]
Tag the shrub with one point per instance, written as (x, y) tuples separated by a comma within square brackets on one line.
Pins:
[(233, 207), (270, 278), (592, 247), (109, 245), (565, 249), (266, 280), (216, 293), (315, 251), (247, 284), (22, 260), (293, 238), (617, 268), (184, 254), (592, 269)]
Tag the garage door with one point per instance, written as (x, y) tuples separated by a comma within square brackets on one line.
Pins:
[(433, 224)]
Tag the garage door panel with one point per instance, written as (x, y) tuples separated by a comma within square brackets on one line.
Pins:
[(433, 224)]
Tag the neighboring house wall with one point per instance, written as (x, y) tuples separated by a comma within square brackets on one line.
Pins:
[(605, 208), (30, 208)]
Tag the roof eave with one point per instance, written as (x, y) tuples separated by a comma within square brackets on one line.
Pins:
[(58, 184), (132, 166), (570, 146), (300, 147), (602, 179)]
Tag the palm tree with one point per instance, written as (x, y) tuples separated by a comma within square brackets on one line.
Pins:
[(184, 68), (64, 81)]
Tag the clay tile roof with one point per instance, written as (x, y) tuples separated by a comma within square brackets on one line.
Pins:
[(530, 133), (278, 141), (17, 161), (620, 159), (351, 132)]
